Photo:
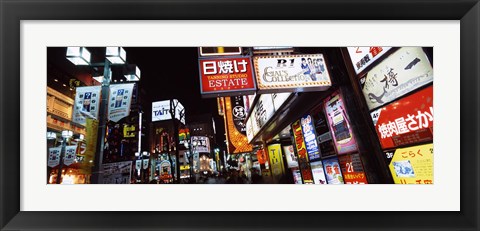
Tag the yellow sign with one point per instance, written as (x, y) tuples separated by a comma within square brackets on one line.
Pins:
[(128, 131), (413, 165), (184, 167), (275, 159)]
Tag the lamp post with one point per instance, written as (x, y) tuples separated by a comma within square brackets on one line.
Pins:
[(65, 136), (113, 56)]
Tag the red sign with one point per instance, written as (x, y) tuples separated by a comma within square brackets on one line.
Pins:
[(406, 121), (223, 75), (302, 153), (352, 169)]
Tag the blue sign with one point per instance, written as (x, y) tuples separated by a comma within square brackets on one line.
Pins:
[(310, 138)]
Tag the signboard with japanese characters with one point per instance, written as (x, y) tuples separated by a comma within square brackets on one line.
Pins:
[(400, 73), (161, 111), (352, 169), (332, 171), (292, 161), (70, 151), (318, 173), (165, 170), (297, 176), (54, 156), (87, 101), (324, 138), (310, 138), (413, 165), (306, 72), (119, 101), (117, 173), (406, 121), (202, 144), (276, 160), (362, 57), (264, 110), (226, 76), (236, 128), (339, 123), (302, 153)]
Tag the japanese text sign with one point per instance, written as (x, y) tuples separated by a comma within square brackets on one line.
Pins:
[(236, 128), (332, 171), (352, 169), (226, 75), (276, 160), (318, 173), (292, 161), (362, 57), (119, 101), (306, 72), (406, 121), (413, 165), (87, 101), (302, 153), (201, 144), (310, 138), (400, 73), (54, 156)]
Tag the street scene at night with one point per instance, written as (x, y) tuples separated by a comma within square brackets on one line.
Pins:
[(239, 115)]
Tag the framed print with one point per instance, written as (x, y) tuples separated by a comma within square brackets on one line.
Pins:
[(29, 205)]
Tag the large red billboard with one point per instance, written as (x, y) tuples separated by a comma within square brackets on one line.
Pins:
[(221, 76), (406, 121)]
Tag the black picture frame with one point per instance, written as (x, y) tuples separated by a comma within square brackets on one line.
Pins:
[(13, 11)]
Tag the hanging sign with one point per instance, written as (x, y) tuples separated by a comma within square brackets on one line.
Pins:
[(226, 76), (413, 165), (87, 101), (138, 164), (318, 173), (307, 72), (236, 127), (119, 101), (362, 57), (54, 156), (406, 121), (402, 72), (352, 169), (310, 138), (70, 152), (145, 163), (332, 171), (324, 138), (161, 110), (339, 124), (302, 153)]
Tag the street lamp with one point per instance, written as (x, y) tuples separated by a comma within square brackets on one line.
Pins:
[(65, 136), (113, 56)]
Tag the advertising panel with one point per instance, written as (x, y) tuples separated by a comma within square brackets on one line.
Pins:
[(165, 170), (310, 138), (87, 101), (290, 156), (226, 75), (405, 121), (297, 176), (302, 153), (54, 156), (70, 153), (202, 144), (413, 165), (276, 160), (264, 110), (332, 171), (352, 169), (161, 111), (324, 138), (339, 124), (318, 173), (279, 99), (306, 72), (400, 73), (220, 51), (362, 57), (117, 173), (236, 127), (119, 101)]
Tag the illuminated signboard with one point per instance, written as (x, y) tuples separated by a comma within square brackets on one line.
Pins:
[(292, 161), (161, 111), (339, 124), (406, 121), (332, 171), (413, 165), (306, 72), (225, 76), (297, 176), (200, 144), (310, 138), (220, 51), (362, 57), (276, 160), (400, 73), (324, 138), (352, 169), (302, 153), (318, 173), (236, 128)]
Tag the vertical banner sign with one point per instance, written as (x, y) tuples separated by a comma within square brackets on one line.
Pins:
[(362, 57), (117, 173), (54, 156), (119, 101), (70, 152), (318, 173), (332, 171), (402, 72), (302, 153), (310, 138), (87, 101), (408, 120), (165, 170), (324, 138), (138, 164), (276, 160), (145, 163), (290, 156), (226, 75), (236, 127), (413, 165), (352, 169), (297, 176), (339, 124)]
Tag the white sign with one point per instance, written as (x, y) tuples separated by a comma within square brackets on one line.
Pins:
[(87, 101), (293, 72), (290, 155), (138, 164), (161, 111), (202, 144), (318, 173), (117, 173), (145, 163), (400, 73), (54, 156), (119, 101), (362, 57), (69, 157), (263, 110), (279, 99)]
